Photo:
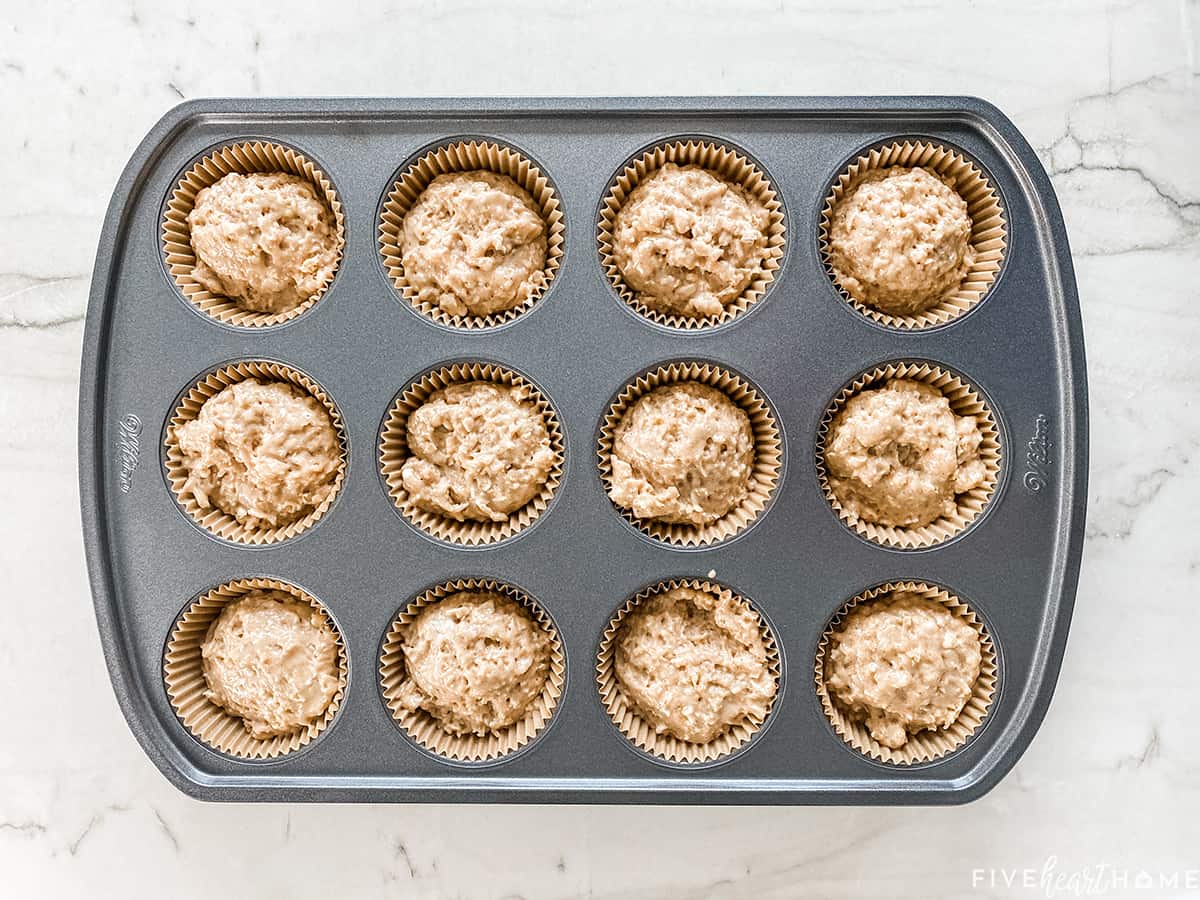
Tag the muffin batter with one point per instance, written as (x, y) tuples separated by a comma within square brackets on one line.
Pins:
[(900, 240), (902, 663), (475, 661), (899, 455), (694, 663), (265, 240), (682, 453), (265, 452), (479, 450), (272, 660), (688, 242), (474, 243)]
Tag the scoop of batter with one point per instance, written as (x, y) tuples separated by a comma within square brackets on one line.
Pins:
[(682, 453), (900, 240), (474, 243), (265, 452), (475, 661), (272, 660), (902, 663), (899, 455), (265, 240), (688, 242), (480, 451), (694, 663)]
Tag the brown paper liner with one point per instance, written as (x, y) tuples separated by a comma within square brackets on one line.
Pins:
[(243, 158), (768, 451), (426, 730), (926, 745), (630, 722), (212, 519), (393, 453), (469, 156), (183, 675), (989, 232), (722, 161), (964, 401)]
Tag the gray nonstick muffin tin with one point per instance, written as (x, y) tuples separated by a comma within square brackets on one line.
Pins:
[(1021, 348)]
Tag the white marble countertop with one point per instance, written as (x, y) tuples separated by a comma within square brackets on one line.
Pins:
[(1110, 95)]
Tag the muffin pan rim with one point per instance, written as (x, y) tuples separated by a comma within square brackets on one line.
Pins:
[(1046, 224)]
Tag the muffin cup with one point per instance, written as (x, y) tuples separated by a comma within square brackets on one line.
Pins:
[(243, 158), (964, 401), (393, 453), (183, 675), (927, 745), (211, 519), (768, 451), (720, 160), (469, 156), (989, 231), (424, 728), (629, 721)]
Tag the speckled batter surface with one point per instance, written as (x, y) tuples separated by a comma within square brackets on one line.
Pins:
[(694, 663), (900, 240), (903, 663), (265, 452), (898, 455), (480, 451), (683, 453), (475, 661), (272, 660), (474, 243), (266, 240), (688, 242)]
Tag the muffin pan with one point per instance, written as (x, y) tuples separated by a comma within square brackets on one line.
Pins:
[(798, 345)]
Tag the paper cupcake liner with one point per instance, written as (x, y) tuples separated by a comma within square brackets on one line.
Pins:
[(243, 158), (964, 401), (469, 156), (183, 675), (630, 722), (425, 729), (768, 451), (989, 231), (927, 745), (212, 519), (393, 454), (734, 168)]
